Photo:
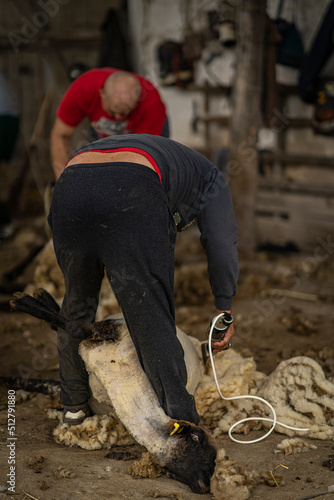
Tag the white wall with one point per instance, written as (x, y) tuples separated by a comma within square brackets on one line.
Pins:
[(153, 21)]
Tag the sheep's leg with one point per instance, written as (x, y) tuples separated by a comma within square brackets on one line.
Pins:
[(47, 300), (39, 307), (43, 306), (33, 306)]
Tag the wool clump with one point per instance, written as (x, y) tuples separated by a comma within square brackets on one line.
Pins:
[(231, 480), (94, 433)]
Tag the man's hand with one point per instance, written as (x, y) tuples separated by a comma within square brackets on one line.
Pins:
[(222, 344)]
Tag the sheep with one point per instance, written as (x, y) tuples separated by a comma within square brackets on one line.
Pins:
[(185, 450), (297, 389)]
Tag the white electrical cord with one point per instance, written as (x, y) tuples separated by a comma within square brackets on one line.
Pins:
[(273, 420)]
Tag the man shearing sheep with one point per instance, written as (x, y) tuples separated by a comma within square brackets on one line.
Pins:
[(116, 102), (117, 208)]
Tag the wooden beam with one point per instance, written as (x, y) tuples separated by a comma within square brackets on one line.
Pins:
[(41, 43), (296, 159), (285, 90), (246, 119), (221, 120), (267, 184), (224, 121)]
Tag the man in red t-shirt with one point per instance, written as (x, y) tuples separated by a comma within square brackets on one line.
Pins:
[(116, 102)]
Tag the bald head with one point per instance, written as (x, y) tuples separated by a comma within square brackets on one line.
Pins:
[(120, 94)]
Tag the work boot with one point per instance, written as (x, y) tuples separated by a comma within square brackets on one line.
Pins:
[(76, 417)]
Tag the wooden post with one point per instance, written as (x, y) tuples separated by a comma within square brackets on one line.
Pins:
[(246, 116)]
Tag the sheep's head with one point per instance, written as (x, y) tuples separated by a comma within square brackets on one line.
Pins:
[(192, 460)]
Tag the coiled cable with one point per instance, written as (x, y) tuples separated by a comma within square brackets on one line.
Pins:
[(248, 419)]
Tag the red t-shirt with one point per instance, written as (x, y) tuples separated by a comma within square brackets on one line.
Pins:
[(83, 99)]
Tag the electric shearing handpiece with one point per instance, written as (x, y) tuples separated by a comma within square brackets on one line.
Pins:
[(220, 327)]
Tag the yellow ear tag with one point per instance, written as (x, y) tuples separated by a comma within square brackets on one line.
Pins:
[(176, 428)]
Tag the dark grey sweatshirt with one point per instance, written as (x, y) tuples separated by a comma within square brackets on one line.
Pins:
[(195, 190)]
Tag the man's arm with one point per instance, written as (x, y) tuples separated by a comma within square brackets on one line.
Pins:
[(60, 143), (219, 235)]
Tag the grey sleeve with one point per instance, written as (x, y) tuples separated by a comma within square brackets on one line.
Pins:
[(219, 234)]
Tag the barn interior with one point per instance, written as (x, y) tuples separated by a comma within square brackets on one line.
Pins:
[(247, 83)]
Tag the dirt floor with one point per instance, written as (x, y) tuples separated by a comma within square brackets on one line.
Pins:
[(270, 328)]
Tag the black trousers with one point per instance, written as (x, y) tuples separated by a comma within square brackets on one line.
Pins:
[(115, 217)]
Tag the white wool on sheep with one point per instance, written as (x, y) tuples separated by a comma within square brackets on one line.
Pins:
[(290, 446), (132, 397), (232, 481), (302, 397), (298, 390), (104, 430), (191, 359)]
